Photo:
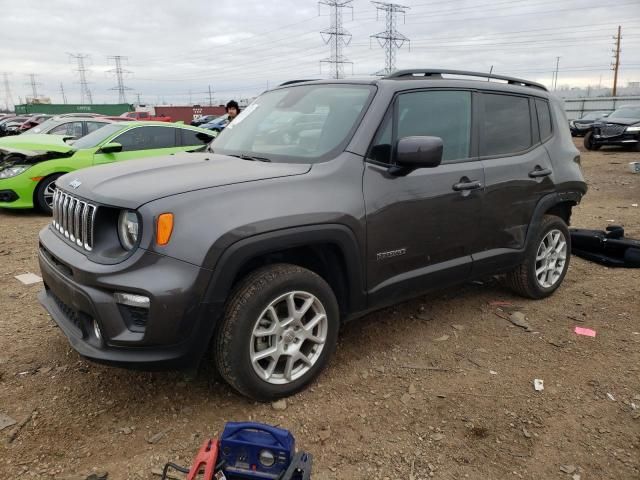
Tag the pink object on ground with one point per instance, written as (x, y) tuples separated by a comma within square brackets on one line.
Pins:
[(585, 331)]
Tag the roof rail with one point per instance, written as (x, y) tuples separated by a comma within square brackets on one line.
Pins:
[(437, 73), (291, 82)]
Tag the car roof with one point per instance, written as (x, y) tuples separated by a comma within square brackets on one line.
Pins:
[(430, 78)]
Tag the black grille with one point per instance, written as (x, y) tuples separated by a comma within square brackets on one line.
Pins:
[(135, 317), (69, 312), (612, 130)]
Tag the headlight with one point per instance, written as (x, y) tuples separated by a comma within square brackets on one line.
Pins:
[(13, 171), (634, 128), (128, 229)]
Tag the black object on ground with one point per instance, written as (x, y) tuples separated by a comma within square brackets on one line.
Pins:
[(609, 247)]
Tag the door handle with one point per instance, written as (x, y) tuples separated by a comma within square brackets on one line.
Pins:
[(466, 185), (540, 172)]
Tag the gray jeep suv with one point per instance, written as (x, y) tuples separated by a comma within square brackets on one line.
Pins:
[(322, 201)]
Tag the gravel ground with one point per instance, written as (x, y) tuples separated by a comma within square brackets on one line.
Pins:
[(438, 387)]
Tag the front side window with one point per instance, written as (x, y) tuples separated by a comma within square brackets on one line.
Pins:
[(434, 113), (195, 138), (299, 124), (505, 125), (97, 137), (93, 126), (147, 138)]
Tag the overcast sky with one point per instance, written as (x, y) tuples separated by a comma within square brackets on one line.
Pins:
[(176, 50)]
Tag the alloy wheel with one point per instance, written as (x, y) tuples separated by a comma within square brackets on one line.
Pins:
[(551, 258)]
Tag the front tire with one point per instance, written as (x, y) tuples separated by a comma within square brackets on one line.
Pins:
[(546, 261), (279, 331), (44, 193), (589, 143)]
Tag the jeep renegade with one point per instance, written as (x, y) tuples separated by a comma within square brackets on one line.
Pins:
[(322, 201)]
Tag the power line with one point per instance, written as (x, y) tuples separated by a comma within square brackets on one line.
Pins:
[(8, 98), (616, 65), (391, 40), (85, 93), (119, 73), (336, 36)]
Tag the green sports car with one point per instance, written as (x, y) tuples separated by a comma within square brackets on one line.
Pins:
[(30, 164)]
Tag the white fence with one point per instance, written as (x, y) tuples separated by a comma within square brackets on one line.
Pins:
[(577, 107)]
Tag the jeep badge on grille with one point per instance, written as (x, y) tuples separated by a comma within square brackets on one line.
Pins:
[(75, 183)]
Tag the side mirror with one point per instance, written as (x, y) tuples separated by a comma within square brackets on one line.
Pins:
[(112, 147), (417, 152)]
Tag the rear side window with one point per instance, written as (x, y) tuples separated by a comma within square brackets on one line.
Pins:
[(544, 119), (505, 125), (146, 138), (194, 138)]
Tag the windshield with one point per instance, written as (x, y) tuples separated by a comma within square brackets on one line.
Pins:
[(593, 115), (626, 112), (96, 137), (301, 124)]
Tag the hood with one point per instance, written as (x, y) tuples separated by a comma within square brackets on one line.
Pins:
[(30, 149), (619, 121), (132, 183)]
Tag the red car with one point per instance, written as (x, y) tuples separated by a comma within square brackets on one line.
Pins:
[(144, 116)]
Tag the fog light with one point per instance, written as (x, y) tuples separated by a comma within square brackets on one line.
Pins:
[(267, 458), (96, 330), (132, 300)]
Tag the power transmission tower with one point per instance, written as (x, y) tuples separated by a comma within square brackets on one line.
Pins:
[(34, 85), (64, 97), (138, 97), (391, 40), (616, 65), (336, 36), (555, 74), (119, 73), (8, 98), (85, 93), (210, 96)]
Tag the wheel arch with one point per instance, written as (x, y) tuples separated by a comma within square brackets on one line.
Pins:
[(330, 250), (557, 204)]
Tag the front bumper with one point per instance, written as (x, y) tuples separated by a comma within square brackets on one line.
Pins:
[(577, 130), (624, 139), (78, 295), (17, 192)]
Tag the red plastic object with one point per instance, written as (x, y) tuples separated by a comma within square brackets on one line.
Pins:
[(206, 459)]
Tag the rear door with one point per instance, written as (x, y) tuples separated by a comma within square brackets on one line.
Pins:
[(423, 227), (142, 142), (518, 174)]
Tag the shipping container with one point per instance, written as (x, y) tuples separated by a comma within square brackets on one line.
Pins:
[(57, 109), (188, 114)]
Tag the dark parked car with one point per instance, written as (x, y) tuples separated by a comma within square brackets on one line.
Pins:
[(262, 246), (621, 128), (217, 124), (11, 125), (582, 125), (202, 120)]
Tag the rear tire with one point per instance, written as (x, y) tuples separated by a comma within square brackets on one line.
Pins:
[(266, 348), (589, 142), (546, 261), (44, 193)]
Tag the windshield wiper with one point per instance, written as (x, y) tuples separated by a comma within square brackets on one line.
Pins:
[(251, 157)]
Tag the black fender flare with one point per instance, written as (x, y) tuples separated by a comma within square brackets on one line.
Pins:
[(239, 253), (543, 206)]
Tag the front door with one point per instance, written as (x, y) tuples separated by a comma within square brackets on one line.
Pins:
[(423, 227), (141, 142)]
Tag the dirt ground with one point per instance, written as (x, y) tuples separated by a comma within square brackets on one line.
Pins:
[(438, 387)]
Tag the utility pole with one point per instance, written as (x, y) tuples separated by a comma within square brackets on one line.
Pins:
[(616, 65), (33, 84), (138, 97), (119, 73), (336, 36), (210, 96), (391, 40), (64, 97), (85, 93), (555, 74), (8, 98)]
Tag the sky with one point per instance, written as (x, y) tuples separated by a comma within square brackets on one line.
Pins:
[(175, 51)]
